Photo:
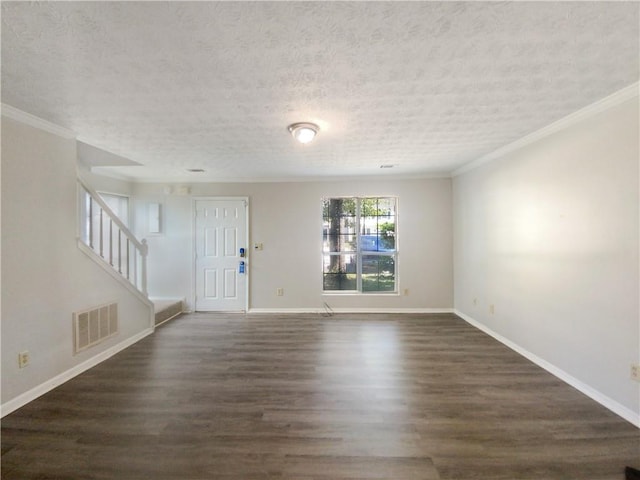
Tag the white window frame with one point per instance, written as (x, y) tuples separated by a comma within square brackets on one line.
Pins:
[(360, 253), (121, 196)]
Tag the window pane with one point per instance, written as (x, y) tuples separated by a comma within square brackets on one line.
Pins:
[(383, 242), (388, 239), (338, 243), (378, 273), (378, 207), (342, 222), (339, 272), (369, 243), (339, 224), (119, 204), (338, 207), (378, 224), (386, 207)]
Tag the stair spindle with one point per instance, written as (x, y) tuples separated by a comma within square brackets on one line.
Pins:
[(127, 259), (101, 235), (120, 251), (111, 242)]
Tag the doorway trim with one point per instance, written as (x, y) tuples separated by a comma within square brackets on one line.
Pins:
[(194, 201)]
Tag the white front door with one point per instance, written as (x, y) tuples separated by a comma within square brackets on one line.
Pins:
[(221, 271)]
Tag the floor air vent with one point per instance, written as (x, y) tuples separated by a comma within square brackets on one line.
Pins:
[(92, 326)]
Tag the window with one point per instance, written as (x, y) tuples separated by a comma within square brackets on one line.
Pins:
[(359, 244), (119, 204), (101, 233)]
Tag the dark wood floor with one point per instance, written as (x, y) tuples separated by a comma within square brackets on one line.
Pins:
[(398, 397)]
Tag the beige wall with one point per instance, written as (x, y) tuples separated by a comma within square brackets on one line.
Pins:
[(102, 183), (287, 219), (45, 277), (549, 236)]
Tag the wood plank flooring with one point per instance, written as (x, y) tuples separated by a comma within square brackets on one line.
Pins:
[(305, 397)]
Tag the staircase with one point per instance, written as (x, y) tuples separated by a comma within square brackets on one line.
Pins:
[(166, 310), (108, 241), (104, 237)]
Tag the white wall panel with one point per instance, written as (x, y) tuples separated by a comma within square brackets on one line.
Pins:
[(45, 277), (286, 219), (548, 235)]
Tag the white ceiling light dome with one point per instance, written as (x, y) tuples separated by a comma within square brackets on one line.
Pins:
[(304, 132)]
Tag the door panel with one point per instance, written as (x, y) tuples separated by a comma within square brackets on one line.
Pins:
[(230, 242), (230, 282), (210, 283), (220, 231), (211, 243)]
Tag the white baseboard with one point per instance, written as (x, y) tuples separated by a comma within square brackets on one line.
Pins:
[(49, 385), (284, 310), (321, 310), (392, 310), (624, 412)]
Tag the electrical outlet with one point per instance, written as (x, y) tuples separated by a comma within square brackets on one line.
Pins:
[(492, 309), (279, 292), (257, 246), (475, 301), (23, 359), (406, 292), (635, 372)]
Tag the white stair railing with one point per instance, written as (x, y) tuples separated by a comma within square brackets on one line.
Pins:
[(103, 232)]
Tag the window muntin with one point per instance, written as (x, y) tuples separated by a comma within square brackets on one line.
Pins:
[(119, 204), (359, 244), (378, 273), (339, 272)]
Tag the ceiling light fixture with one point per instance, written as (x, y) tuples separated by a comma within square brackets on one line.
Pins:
[(303, 132)]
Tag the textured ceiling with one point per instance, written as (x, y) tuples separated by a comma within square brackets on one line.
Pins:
[(425, 86)]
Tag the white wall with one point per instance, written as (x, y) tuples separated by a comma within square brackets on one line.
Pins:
[(102, 183), (287, 219), (45, 277), (549, 236)]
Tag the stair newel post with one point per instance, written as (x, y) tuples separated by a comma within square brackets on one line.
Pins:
[(143, 252)]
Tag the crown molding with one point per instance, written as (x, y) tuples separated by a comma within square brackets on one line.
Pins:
[(104, 170), (606, 103), (37, 122)]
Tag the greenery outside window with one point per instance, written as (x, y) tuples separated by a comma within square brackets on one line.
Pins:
[(359, 244)]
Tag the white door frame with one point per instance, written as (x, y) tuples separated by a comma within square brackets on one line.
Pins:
[(247, 268)]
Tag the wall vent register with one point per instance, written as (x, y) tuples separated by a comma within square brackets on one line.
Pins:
[(95, 325)]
